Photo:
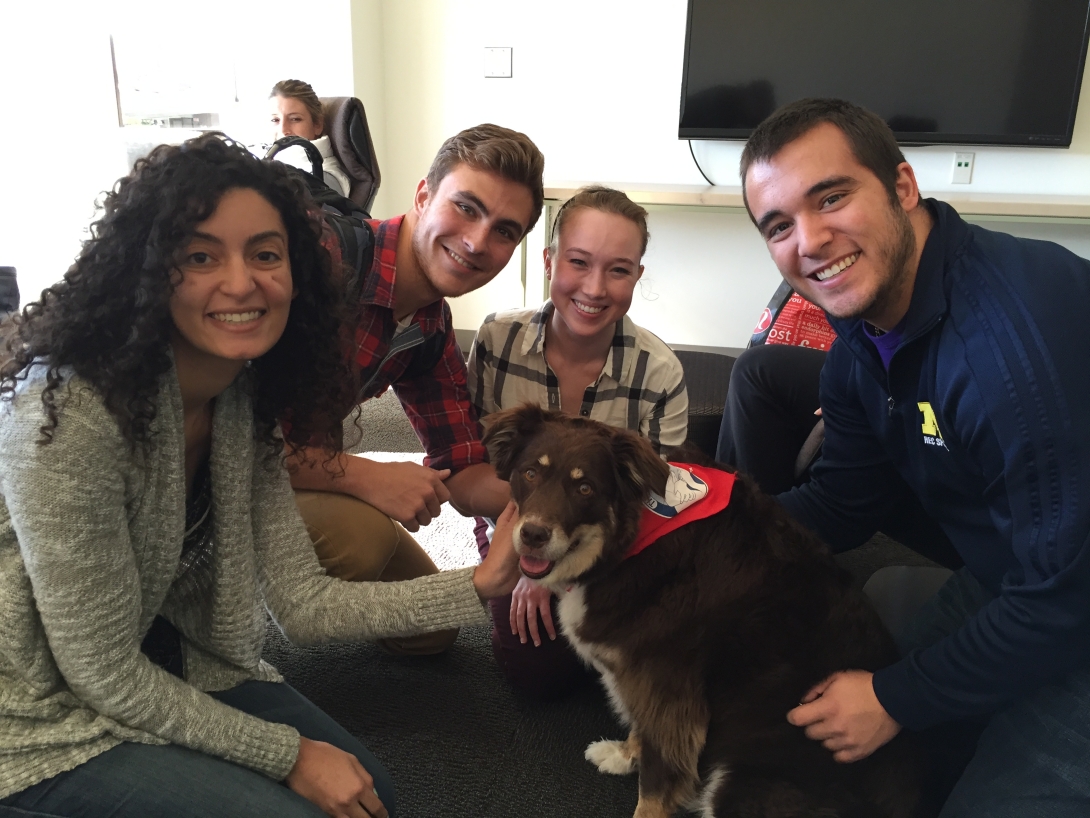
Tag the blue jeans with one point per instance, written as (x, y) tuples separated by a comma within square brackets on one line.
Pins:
[(1032, 759), (140, 780)]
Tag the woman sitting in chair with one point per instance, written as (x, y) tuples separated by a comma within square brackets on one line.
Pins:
[(297, 111)]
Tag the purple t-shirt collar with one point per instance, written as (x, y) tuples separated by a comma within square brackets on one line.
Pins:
[(887, 342)]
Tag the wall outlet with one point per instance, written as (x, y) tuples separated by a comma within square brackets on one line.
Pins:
[(962, 173), (497, 62)]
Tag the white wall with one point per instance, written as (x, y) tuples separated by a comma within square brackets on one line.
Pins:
[(1059, 171), (60, 145), (597, 86), (566, 92)]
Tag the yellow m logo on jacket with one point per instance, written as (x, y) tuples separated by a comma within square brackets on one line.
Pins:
[(930, 426)]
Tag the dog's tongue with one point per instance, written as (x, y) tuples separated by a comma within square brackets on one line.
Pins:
[(532, 566)]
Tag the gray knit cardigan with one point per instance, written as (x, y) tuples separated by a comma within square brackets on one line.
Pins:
[(90, 538)]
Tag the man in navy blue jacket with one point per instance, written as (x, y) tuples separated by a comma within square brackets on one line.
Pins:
[(958, 376)]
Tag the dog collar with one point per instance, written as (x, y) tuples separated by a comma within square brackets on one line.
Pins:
[(692, 493)]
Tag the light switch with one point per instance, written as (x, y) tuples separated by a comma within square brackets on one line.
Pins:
[(497, 62)]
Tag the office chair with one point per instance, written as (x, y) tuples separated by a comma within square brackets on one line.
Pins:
[(346, 126)]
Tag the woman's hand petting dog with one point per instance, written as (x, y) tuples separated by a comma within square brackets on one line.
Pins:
[(499, 572), (529, 600), (334, 781), (843, 713)]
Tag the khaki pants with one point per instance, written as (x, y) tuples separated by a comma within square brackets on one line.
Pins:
[(356, 542)]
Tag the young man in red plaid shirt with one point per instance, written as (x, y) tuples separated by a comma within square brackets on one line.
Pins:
[(482, 194)]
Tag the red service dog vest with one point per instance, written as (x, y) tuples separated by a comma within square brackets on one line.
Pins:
[(692, 493)]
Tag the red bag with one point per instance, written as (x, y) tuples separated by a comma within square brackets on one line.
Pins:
[(791, 319)]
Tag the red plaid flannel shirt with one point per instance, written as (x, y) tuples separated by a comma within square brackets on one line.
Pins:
[(437, 403)]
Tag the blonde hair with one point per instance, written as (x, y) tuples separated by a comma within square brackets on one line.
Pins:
[(605, 200), (297, 89)]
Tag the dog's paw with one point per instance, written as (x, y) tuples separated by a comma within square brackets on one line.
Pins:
[(610, 757)]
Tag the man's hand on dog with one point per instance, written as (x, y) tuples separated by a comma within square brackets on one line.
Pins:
[(845, 716), (499, 572), (528, 600)]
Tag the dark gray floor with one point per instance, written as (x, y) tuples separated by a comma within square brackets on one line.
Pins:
[(879, 552), (457, 741)]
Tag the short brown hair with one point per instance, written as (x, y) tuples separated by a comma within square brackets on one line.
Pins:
[(297, 89), (607, 200), (490, 148), (870, 139)]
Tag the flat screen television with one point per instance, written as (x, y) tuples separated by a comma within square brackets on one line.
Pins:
[(984, 72)]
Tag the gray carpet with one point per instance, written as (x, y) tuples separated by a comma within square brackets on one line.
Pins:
[(382, 432), (456, 740), (879, 552), (380, 426)]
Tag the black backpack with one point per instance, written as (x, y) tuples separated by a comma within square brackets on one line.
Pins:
[(348, 222), (345, 218)]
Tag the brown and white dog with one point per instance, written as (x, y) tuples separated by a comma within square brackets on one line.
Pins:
[(706, 639)]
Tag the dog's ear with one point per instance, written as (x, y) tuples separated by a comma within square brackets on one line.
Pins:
[(639, 469), (507, 434)]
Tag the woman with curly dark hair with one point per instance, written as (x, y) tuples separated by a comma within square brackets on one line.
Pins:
[(146, 518)]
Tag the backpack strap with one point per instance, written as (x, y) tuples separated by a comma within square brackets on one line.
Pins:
[(413, 336), (770, 314), (428, 352), (427, 356), (313, 154), (357, 244)]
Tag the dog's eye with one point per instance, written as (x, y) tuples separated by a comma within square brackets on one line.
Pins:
[(585, 489), (530, 475)]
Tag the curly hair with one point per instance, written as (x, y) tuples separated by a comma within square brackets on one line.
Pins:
[(109, 318)]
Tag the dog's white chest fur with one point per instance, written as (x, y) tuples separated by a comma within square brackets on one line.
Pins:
[(572, 609)]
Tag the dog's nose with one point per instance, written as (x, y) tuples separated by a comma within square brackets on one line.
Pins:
[(535, 536)]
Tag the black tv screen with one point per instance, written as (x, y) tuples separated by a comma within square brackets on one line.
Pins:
[(988, 72)]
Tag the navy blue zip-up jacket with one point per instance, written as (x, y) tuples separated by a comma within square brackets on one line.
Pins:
[(984, 415)]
